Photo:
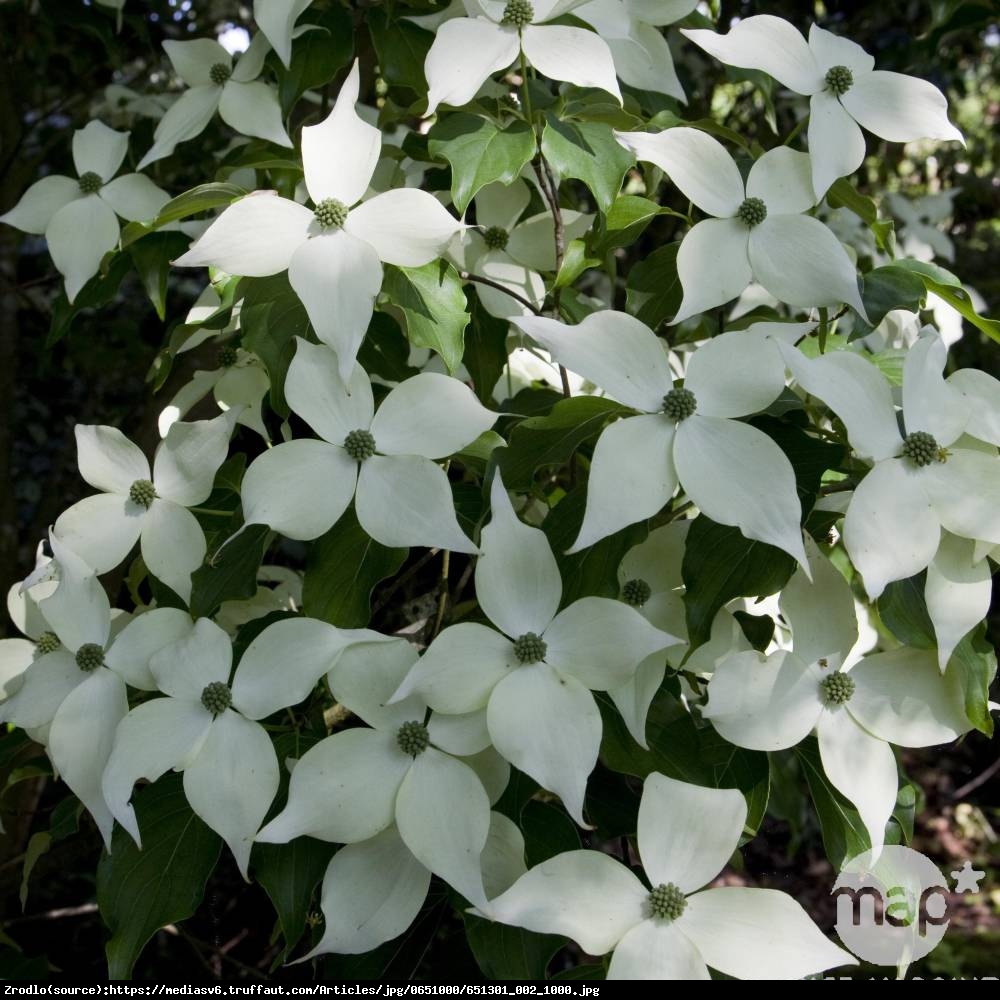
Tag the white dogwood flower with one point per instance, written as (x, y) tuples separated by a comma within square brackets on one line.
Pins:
[(758, 233), (923, 234), (467, 50), (383, 460), (686, 836), (845, 90), (333, 253), (78, 217)]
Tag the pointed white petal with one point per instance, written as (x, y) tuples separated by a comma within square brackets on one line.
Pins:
[(758, 934), (965, 493), (613, 350), (799, 261), (836, 143), (891, 530), (766, 43), (503, 855), (860, 767), (899, 108), (44, 688), (186, 462), (16, 655), (465, 53), (33, 213), (901, 697), (575, 55), (324, 478), (783, 180), (713, 265), (832, 50), (696, 162), (735, 374), (101, 529), (633, 698), (467, 736), (660, 12), (405, 226), (130, 652), (657, 949), (232, 782), (372, 892), (108, 460), (78, 610), (588, 896), (643, 60), (405, 500), (315, 391), (134, 197), (499, 267), (502, 204), (460, 669), (79, 236), (360, 771), (276, 19), (737, 475), (80, 740), (184, 119), (152, 739), (337, 277), (98, 149), (253, 109), (657, 560), (929, 402), (517, 579), (186, 667), (431, 415), (194, 60), (983, 394), (546, 724), (172, 545)]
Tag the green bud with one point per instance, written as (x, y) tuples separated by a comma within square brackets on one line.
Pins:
[(142, 492), (219, 74), (839, 79), (530, 648), (636, 592), (679, 404), (413, 738), (752, 212), (496, 238), (921, 449), (90, 183), (359, 445), (838, 688), (216, 697), (518, 13), (89, 657), (666, 902), (227, 357), (48, 642), (331, 214)]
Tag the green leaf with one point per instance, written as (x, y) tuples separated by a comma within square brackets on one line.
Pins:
[(540, 442), (198, 199), (843, 194), (37, 846), (548, 831), (576, 260), (152, 257), (317, 55), (485, 350), (384, 351), (758, 629), (975, 660), (590, 153), (945, 285), (231, 574), (624, 222), (402, 49), (433, 308), (480, 153), (720, 564), (504, 952), (891, 287), (903, 611), (140, 891), (653, 290), (343, 567), (98, 291)]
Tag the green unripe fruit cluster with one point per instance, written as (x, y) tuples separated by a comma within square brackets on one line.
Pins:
[(839, 79), (667, 902), (142, 492), (216, 697), (530, 648), (636, 592), (90, 183), (679, 404), (752, 212), (518, 13), (89, 657), (359, 445), (838, 688), (331, 214), (413, 738)]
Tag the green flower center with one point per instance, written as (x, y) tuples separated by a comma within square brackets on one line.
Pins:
[(518, 13), (48, 642), (227, 357), (219, 74), (142, 492), (413, 738), (636, 592), (216, 697), (331, 214), (921, 449), (359, 445), (838, 688), (839, 79), (666, 902), (530, 648), (752, 212), (679, 404), (90, 183), (89, 657), (496, 238)]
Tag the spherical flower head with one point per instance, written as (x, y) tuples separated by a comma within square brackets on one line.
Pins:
[(838, 688), (752, 212), (413, 738), (359, 445), (839, 79), (679, 404), (227, 357), (90, 656), (216, 697), (219, 74), (90, 183), (518, 13), (666, 902), (142, 492), (636, 592), (48, 642), (921, 448), (530, 648), (331, 214), (496, 238)]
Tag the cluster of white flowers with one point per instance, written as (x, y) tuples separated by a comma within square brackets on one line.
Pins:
[(117, 697)]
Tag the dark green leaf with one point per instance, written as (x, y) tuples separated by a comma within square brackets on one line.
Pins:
[(588, 152), (231, 574), (485, 350), (975, 660), (575, 261), (402, 49), (548, 831), (843, 194), (588, 973), (198, 199), (903, 611), (317, 55), (152, 257), (101, 288), (653, 289), (504, 952), (891, 287), (758, 629), (624, 222), (945, 285)]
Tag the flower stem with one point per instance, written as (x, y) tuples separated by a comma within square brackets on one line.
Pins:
[(526, 92), (795, 131)]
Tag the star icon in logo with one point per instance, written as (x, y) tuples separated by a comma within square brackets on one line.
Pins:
[(967, 878)]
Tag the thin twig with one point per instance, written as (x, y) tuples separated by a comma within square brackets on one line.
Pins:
[(466, 276), (405, 578), (971, 786)]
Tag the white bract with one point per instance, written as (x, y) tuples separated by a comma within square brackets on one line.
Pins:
[(535, 675), (845, 90), (333, 253), (230, 768), (16, 655), (923, 234), (686, 836), (759, 232), (78, 217), (733, 472), (276, 20), (244, 103), (383, 460), (146, 506), (774, 702), (468, 50)]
